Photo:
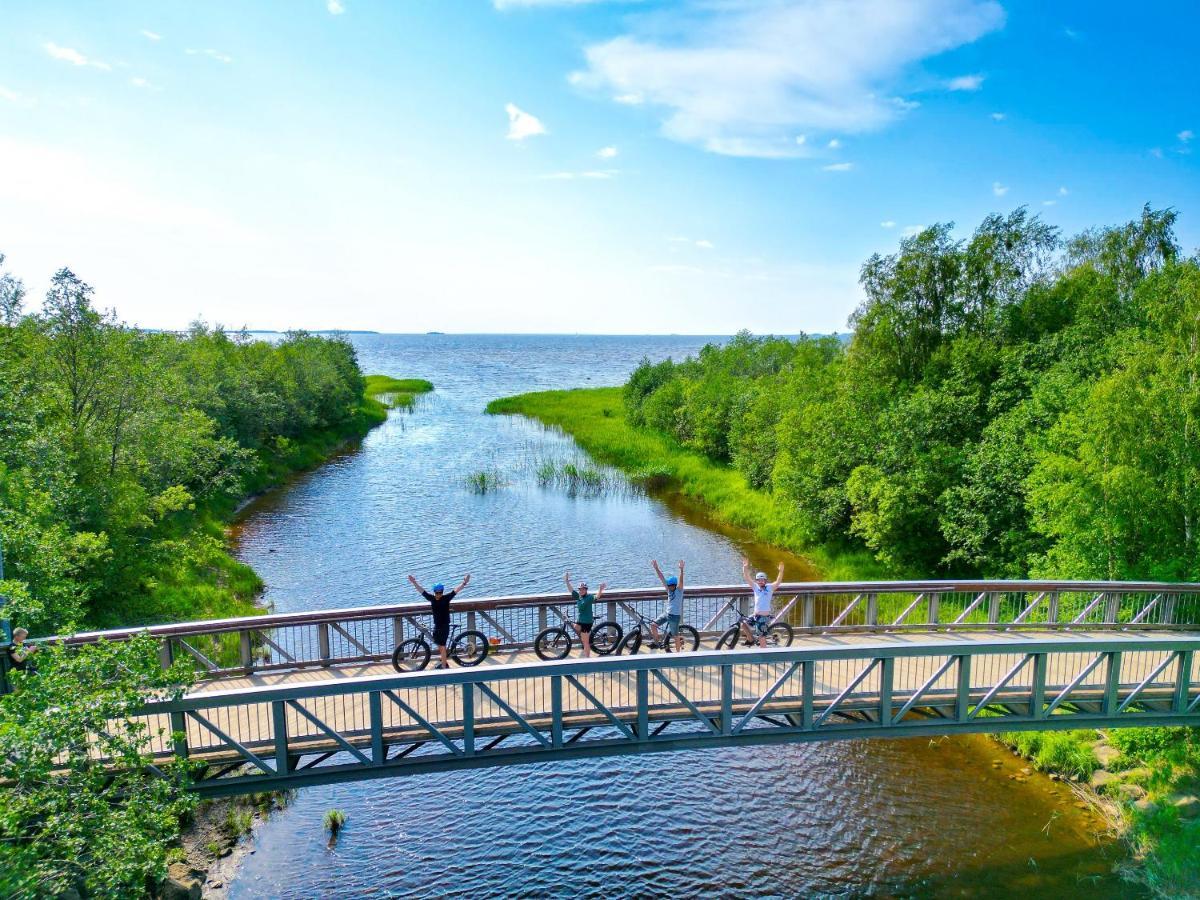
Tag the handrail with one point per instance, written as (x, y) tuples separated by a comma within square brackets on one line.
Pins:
[(815, 588)]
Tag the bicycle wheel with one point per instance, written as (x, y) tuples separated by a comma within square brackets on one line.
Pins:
[(410, 656), (780, 635), (552, 644), (469, 649), (729, 640), (605, 637), (631, 643), (690, 636)]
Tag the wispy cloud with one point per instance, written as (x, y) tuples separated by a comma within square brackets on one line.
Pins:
[(912, 230), (700, 243), (1072, 34), (838, 167), (1049, 203), (607, 152), (1185, 136), (211, 54), (1062, 192), (741, 78), (139, 82), (834, 144), (522, 125), (888, 224), (595, 174), (74, 57), (150, 35), (999, 117), (335, 7), (1156, 152), (15, 97), (965, 83), (704, 245), (801, 140), (525, 4), (999, 189)]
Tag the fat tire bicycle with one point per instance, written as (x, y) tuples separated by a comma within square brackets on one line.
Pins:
[(555, 642), (467, 648), (779, 634), (641, 632)]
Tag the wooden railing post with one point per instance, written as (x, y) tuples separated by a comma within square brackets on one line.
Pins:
[(323, 642), (809, 616), (935, 601), (245, 650), (872, 610)]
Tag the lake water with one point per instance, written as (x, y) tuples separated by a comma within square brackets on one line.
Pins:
[(885, 818)]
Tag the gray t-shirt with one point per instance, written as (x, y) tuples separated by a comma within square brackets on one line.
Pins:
[(675, 600)]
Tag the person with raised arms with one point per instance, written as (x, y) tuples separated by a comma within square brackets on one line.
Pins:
[(439, 600), (674, 614), (764, 596), (584, 611)]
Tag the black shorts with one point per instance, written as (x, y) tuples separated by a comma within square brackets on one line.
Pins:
[(441, 631), (585, 627)]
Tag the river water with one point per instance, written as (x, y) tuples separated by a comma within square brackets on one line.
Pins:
[(884, 818)]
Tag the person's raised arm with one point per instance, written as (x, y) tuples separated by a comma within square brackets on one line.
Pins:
[(463, 583), (746, 576), (658, 572), (567, 579), (681, 573), (600, 590), (417, 585), (778, 578)]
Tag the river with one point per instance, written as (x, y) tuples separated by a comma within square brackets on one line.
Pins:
[(885, 818)]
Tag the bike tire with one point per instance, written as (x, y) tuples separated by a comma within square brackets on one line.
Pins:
[(729, 640), (552, 644), (780, 635), (469, 648), (606, 637), (631, 643), (691, 640), (411, 655)]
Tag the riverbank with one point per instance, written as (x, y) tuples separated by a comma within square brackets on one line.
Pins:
[(595, 418), (1141, 781)]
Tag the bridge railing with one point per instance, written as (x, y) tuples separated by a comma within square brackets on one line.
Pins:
[(368, 634), (268, 737)]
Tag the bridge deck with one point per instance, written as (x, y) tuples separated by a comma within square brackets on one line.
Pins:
[(247, 709)]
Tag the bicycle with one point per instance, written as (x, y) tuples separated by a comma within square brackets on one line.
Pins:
[(465, 647), (555, 642), (641, 632), (779, 634)]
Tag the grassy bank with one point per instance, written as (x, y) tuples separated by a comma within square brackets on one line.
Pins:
[(595, 418), (202, 579)]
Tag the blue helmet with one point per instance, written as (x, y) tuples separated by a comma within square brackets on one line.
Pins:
[(672, 581), (438, 588)]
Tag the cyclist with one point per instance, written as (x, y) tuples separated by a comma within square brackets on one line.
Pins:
[(674, 614), (584, 613), (764, 594), (439, 600)]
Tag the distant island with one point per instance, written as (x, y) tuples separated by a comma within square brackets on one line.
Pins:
[(435, 332), (322, 331)]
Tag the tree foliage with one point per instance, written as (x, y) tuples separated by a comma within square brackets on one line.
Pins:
[(1009, 404)]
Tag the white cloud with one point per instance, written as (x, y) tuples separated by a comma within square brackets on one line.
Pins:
[(1062, 192), (1049, 203), (633, 99), (912, 230), (521, 124), (888, 224), (607, 152), (139, 82), (590, 173), (999, 117), (838, 167), (526, 4), (335, 7), (834, 144), (150, 35), (1186, 135), (66, 54), (704, 245), (801, 139), (965, 83), (999, 189), (740, 78), (211, 54), (15, 97), (1072, 34)]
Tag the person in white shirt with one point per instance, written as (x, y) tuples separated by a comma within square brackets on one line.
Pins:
[(764, 595)]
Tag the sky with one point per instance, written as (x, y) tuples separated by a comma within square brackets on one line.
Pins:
[(683, 166)]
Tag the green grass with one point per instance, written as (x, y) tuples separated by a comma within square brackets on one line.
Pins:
[(396, 393), (595, 418), (485, 481)]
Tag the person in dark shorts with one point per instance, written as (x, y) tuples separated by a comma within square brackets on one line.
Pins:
[(674, 614), (585, 614), (439, 600)]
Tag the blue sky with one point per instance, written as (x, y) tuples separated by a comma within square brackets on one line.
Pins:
[(696, 166)]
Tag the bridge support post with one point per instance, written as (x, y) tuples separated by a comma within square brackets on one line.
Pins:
[(962, 702), (1183, 682), (726, 700), (468, 706), (1052, 608), (245, 650), (166, 654), (886, 681), (1037, 689), (179, 734), (1112, 683), (807, 687), (872, 610), (556, 712), (1112, 604), (542, 619), (323, 642), (397, 630), (283, 762), (810, 602), (934, 603), (375, 706), (993, 607), (643, 705)]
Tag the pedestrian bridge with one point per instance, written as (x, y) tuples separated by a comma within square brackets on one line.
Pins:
[(306, 698)]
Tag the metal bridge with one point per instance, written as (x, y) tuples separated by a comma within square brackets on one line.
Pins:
[(306, 698)]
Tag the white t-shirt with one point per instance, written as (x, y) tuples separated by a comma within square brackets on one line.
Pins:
[(762, 599)]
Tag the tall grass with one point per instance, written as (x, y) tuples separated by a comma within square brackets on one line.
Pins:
[(485, 481), (595, 418), (395, 393)]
